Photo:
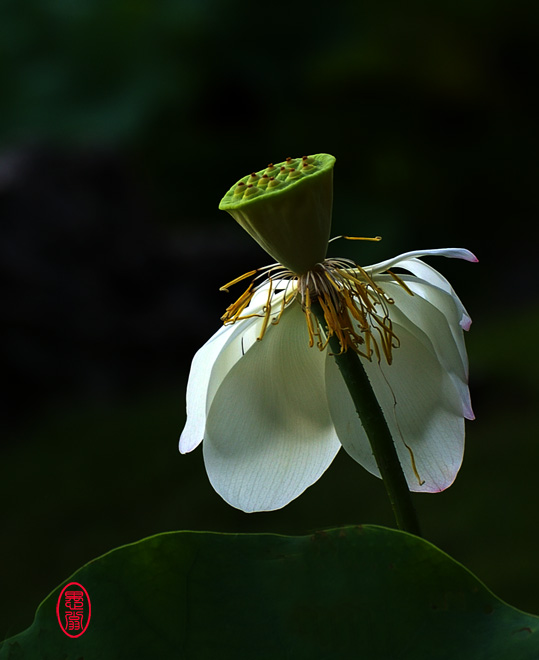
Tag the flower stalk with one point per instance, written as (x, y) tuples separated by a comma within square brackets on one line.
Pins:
[(375, 425)]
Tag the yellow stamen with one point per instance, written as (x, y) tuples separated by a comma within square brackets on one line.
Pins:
[(361, 238), (355, 307), (238, 279), (267, 311), (308, 317), (356, 238), (398, 280)]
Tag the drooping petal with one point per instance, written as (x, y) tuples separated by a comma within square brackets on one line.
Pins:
[(197, 386), (210, 365), (421, 405), (269, 434), (214, 360), (433, 313), (429, 274)]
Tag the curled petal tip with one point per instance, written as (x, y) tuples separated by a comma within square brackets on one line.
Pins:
[(462, 253)]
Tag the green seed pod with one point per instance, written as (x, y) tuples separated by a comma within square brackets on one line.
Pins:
[(293, 174), (282, 175), (251, 191), (290, 217), (263, 181)]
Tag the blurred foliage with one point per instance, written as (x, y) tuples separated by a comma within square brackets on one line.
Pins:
[(429, 110), (121, 126)]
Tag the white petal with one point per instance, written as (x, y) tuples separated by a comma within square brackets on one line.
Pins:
[(432, 313), (427, 273), (452, 253), (210, 365), (214, 360), (197, 386), (269, 434), (422, 408)]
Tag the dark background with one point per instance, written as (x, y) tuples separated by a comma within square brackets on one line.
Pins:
[(122, 124)]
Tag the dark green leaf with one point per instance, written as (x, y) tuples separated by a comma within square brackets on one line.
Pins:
[(362, 592)]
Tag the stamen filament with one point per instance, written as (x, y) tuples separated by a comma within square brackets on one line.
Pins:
[(355, 307), (355, 238), (362, 238), (267, 311), (238, 279)]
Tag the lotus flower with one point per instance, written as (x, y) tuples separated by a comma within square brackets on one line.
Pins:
[(265, 397)]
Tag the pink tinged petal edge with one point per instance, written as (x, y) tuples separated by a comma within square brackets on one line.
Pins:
[(465, 322)]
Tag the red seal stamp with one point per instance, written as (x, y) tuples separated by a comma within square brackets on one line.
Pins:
[(73, 610)]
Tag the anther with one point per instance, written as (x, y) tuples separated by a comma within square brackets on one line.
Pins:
[(359, 238)]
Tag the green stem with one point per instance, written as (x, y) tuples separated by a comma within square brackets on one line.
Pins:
[(375, 425)]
